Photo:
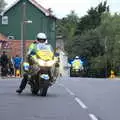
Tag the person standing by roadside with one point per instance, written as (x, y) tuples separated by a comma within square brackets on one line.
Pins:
[(10, 67), (17, 63), (4, 64)]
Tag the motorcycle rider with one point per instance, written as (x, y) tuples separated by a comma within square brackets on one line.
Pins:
[(32, 47), (77, 62), (38, 43)]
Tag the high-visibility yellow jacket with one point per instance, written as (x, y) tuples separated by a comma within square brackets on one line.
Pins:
[(32, 48), (76, 64)]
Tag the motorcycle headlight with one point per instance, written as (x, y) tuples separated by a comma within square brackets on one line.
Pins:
[(50, 63), (46, 63), (41, 62)]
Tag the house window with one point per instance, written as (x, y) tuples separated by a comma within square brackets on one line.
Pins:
[(11, 37), (4, 20)]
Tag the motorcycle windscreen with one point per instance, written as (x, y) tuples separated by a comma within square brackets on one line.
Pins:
[(45, 54)]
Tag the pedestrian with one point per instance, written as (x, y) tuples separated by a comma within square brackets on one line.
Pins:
[(4, 64), (17, 63), (10, 67)]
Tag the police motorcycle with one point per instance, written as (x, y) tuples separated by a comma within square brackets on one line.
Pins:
[(44, 70), (76, 70)]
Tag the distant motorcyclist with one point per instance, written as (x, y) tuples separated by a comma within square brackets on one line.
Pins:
[(77, 63), (38, 43)]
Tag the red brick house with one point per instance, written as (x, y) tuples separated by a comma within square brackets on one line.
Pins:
[(12, 47)]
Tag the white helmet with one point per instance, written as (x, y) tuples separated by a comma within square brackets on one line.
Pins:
[(41, 36), (77, 57)]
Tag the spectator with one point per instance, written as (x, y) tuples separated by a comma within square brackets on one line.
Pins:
[(17, 63), (4, 64), (10, 67)]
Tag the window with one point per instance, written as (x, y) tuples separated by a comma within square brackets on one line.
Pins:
[(4, 20), (11, 37)]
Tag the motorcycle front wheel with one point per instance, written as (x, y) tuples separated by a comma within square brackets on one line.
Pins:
[(43, 91)]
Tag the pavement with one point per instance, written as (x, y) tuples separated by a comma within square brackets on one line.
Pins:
[(69, 99)]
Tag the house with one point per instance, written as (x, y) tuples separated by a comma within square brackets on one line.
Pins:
[(23, 20)]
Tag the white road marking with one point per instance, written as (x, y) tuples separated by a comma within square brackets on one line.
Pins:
[(93, 117), (80, 103), (76, 99), (67, 89), (70, 92)]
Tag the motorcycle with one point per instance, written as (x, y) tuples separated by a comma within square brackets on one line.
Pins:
[(43, 70), (76, 71)]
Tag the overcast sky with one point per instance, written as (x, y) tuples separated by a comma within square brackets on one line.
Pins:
[(63, 7)]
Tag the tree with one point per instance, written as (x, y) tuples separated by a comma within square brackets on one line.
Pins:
[(110, 32), (88, 44), (93, 18), (95, 36), (103, 45), (88, 38), (66, 27), (2, 5)]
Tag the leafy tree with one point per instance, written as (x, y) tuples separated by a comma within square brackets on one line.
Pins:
[(88, 44), (101, 46), (97, 39), (110, 32), (66, 27), (93, 18), (106, 55)]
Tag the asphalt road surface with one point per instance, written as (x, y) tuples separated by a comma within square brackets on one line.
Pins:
[(68, 99)]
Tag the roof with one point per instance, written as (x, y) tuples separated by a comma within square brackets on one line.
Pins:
[(36, 4)]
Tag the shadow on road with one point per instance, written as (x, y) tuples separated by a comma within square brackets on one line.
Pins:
[(49, 95)]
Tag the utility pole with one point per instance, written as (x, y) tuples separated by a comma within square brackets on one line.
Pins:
[(106, 71), (23, 49), (23, 41)]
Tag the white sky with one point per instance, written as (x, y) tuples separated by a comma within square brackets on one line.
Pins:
[(63, 7)]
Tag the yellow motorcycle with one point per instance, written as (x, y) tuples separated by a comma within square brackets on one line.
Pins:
[(43, 70)]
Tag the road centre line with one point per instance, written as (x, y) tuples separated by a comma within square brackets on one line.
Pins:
[(93, 117), (76, 98), (67, 89), (80, 103), (70, 92)]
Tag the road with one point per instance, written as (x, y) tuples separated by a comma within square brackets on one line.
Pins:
[(68, 99)]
